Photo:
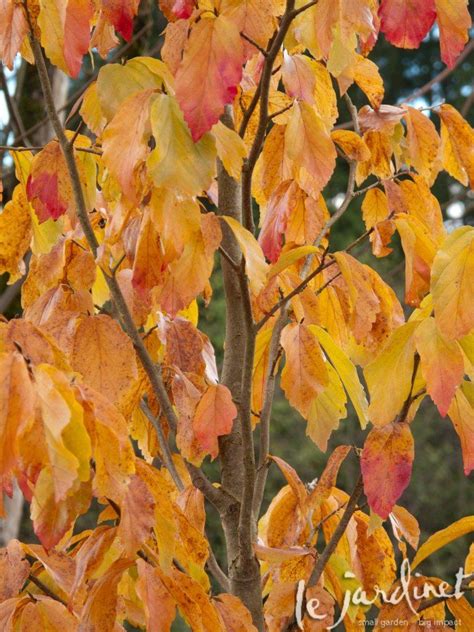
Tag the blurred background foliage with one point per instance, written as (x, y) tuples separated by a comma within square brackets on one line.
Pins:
[(439, 493)]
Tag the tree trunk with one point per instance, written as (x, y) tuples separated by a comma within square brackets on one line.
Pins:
[(244, 574)]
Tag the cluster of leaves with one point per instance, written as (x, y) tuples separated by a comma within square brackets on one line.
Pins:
[(123, 235)]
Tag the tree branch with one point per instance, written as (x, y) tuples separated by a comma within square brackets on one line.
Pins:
[(164, 447), (330, 547), (263, 92)]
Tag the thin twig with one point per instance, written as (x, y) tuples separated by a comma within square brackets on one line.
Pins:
[(217, 572), (47, 591), (265, 415), (164, 447), (10, 148), (251, 41), (441, 76), (338, 533)]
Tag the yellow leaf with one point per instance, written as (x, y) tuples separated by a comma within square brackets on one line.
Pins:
[(346, 371), (15, 235), (452, 284), (442, 538), (230, 149), (457, 138), (177, 162), (367, 77), (380, 154), (289, 257), (389, 375), (423, 144), (255, 265), (351, 144), (375, 212), (326, 410)]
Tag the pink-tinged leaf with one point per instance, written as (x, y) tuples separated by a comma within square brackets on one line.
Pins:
[(214, 417), (177, 9), (13, 29), (77, 33), (461, 413), (49, 188), (209, 73), (386, 464), (275, 221), (120, 14), (406, 22), (454, 22), (442, 364)]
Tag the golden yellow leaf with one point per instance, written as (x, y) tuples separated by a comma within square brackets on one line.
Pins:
[(104, 355), (443, 537), (389, 375), (230, 149), (423, 144), (457, 141), (15, 235), (177, 162)]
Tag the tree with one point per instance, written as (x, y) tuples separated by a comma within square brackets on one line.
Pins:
[(111, 392)]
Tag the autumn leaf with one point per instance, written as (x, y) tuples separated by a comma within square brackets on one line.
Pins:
[(439, 539), (461, 413), (159, 605), (104, 355), (65, 32), (309, 146), (15, 235), (255, 265), (49, 188), (386, 465), (423, 143), (209, 73), (442, 364), (125, 146), (454, 22), (13, 30), (457, 137), (389, 376), (14, 570), (304, 375), (451, 284), (120, 14), (406, 22), (214, 417), (346, 371), (177, 161)]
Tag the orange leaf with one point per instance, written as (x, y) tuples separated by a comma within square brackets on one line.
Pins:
[(209, 73), (454, 22), (442, 364), (14, 569), (386, 464), (214, 416), (158, 603), (309, 145), (104, 355), (461, 413), (13, 30), (305, 374)]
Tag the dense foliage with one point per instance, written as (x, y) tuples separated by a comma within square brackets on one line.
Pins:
[(110, 392)]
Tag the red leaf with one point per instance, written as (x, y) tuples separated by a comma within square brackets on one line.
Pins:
[(386, 465), (406, 22)]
